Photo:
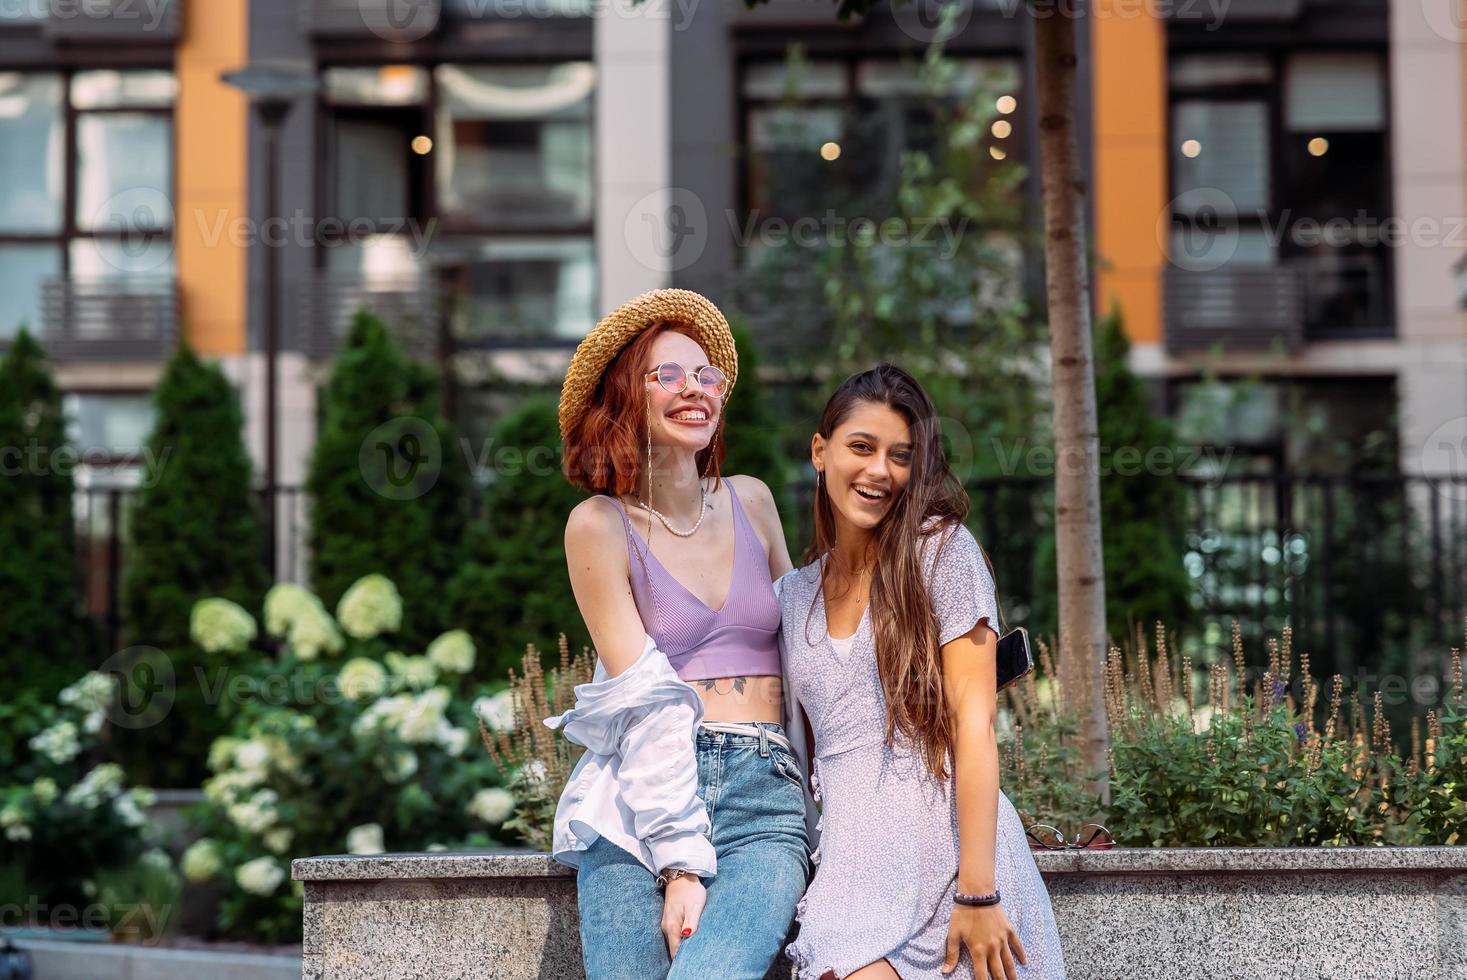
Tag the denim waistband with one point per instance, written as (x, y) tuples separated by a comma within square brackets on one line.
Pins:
[(752, 734)]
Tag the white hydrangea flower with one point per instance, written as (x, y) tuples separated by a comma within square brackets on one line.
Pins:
[(279, 839), (92, 721), (496, 711), (411, 672), (452, 652), (533, 771), (221, 626), (228, 787), (400, 765), (252, 756), (97, 786), (201, 861), (261, 876), (284, 603), (257, 814), (360, 678), (313, 633), (384, 712), (422, 718), (157, 859), (44, 791), (493, 805), (452, 738), (60, 743), (371, 606), (221, 752), (366, 839), (18, 833), (11, 816), (127, 810), (93, 692)]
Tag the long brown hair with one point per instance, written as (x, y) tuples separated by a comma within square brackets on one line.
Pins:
[(902, 618), (607, 450)]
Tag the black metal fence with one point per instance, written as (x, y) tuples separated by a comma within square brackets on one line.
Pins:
[(1360, 567)]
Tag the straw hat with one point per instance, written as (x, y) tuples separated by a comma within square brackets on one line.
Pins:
[(621, 326)]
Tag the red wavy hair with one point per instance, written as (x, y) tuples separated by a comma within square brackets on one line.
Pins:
[(606, 449)]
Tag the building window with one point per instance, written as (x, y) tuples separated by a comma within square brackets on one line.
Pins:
[(830, 135), (87, 158), (1280, 160), (477, 180)]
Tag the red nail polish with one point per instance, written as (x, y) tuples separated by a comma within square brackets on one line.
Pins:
[(687, 933)]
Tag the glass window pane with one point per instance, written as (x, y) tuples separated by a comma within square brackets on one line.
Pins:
[(795, 80), (1201, 247), (1222, 145), (32, 153), (115, 423), (886, 78), (462, 10), (381, 85), (371, 170), (514, 144), (124, 89), (381, 260), (124, 171), (1334, 92), (140, 256), (1196, 71), (23, 268), (542, 288)]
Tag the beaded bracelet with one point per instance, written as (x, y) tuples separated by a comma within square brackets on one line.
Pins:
[(976, 901)]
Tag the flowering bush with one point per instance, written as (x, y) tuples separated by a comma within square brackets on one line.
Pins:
[(341, 745), (70, 822), (1265, 764)]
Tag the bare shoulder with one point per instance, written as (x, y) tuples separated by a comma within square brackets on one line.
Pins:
[(753, 493), (593, 526)]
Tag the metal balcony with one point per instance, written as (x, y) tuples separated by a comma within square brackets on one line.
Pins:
[(109, 318), (114, 21), (390, 20), (327, 302), (1239, 307)]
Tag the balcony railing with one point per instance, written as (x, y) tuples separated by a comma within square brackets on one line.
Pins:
[(327, 302), (110, 318), (112, 21), (365, 19), (1240, 307)]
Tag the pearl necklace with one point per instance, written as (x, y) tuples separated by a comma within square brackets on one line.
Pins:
[(702, 513)]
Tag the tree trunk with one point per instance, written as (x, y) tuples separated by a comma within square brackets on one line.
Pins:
[(1081, 572)]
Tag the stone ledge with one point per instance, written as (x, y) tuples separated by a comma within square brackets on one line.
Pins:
[(1121, 860)]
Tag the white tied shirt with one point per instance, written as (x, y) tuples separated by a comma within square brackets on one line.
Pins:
[(637, 782)]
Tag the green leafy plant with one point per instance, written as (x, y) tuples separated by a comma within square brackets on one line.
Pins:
[(388, 480), (343, 743), (67, 818), (43, 640), (193, 531)]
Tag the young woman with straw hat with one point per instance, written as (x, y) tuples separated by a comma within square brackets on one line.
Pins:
[(686, 816)]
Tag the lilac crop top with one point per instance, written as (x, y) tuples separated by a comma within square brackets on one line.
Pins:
[(739, 640)]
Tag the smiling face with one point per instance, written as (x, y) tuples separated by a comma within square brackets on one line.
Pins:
[(866, 461), (687, 419)]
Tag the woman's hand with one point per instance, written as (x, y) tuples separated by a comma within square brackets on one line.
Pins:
[(682, 906), (991, 941)]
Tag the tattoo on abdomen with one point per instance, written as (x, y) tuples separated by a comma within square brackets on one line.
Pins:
[(724, 685)]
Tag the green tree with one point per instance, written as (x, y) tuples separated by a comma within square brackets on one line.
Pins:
[(1143, 507), (43, 636), (388, 481), (751, 428), (193, 530), (513, 589)]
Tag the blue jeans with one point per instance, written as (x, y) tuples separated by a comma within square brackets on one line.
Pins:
[(754, 794)]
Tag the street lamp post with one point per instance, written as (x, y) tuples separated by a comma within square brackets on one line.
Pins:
[(272, 88)]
